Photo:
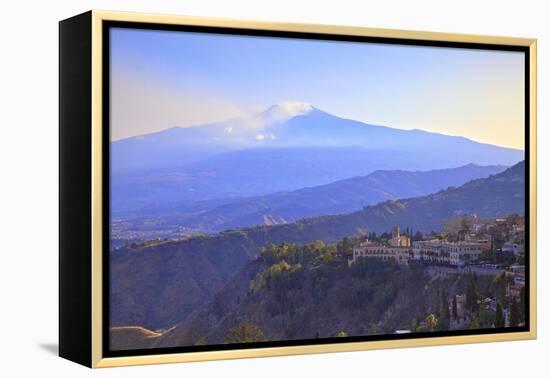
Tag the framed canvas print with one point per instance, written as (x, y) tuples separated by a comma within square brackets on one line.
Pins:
[(235, 189)]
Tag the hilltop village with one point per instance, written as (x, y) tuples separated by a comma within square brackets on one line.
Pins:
[(464, 241), (492, 247)]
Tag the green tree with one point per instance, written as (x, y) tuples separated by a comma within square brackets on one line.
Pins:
[(373, 329), (455, 308), (445, 315), (486, 318), (514, 313), (499, 317), (418, 236), (471, 297), (499, 285), (414, 325), (244, 332), (522, 304), (465, 229), (345, 247), (200, 341), (342, 334), (431, 322), (473, 324), (487, 255), (318, 244)]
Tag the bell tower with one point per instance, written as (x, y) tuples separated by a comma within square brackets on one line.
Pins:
[(396, 232)]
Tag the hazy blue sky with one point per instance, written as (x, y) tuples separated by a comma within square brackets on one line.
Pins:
[(162, 79)]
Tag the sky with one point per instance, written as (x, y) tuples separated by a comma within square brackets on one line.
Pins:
[(162, 79)]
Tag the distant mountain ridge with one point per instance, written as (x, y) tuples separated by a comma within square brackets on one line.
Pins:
[(342, 196), (188, 273), (286, 148), (177, 146), (292, 124)]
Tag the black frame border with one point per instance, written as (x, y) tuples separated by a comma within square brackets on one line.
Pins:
[(107, 25)]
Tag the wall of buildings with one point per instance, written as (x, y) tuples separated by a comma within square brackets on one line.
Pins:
[(432, 251)]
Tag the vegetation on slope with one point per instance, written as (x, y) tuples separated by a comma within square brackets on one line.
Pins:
[(160, 285), (308, 291)]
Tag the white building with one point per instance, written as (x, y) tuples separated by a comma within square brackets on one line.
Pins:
[(431, 251), (443, 252), (366, 249)]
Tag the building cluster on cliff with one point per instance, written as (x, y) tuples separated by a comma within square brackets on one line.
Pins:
[(467, 245), (465, 240)]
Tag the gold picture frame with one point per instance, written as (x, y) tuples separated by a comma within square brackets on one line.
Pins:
[(86, 334)]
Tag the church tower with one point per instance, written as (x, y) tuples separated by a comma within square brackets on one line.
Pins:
[(396, 232)]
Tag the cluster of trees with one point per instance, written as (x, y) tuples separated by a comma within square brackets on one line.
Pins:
[(244, 332), (439, 319), (504, 258), (304, 254), (276, 273), (515, 315), (311, 283), (517, 307), (481, 317), (477, 313), (299, 291), (385, 236)]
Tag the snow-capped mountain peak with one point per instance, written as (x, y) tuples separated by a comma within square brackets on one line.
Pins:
[(294, 108), (285, 110)]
